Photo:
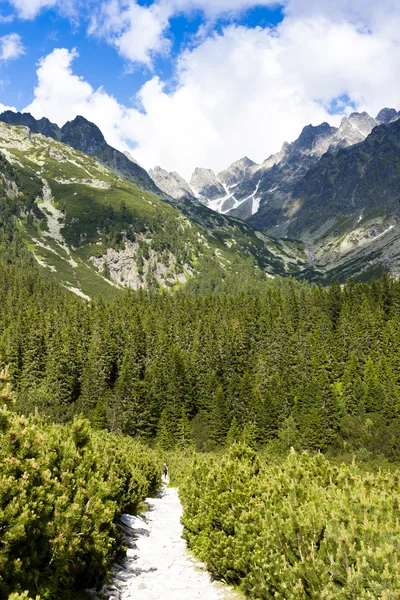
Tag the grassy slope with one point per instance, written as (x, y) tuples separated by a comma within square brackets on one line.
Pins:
[(98, 210)]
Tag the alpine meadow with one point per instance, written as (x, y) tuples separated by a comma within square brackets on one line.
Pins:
[(199, 300)]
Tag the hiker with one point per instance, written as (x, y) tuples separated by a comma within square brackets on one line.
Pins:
[(165, 471)]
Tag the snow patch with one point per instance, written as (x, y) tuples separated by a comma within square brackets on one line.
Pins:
[(383, 232)]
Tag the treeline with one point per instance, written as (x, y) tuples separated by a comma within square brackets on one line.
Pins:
[(307, 366), (303, 530), (63, 488)]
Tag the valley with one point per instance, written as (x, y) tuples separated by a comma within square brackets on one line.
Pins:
[(199, 300), (144, 324)]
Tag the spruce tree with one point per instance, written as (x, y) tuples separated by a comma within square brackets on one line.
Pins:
[(234, 433), (183, 435)]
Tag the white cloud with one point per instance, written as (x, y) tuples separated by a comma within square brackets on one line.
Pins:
[(11, 47), (3, 108), (61, 96), (136, 31), (28, 9), (244, 91), (241, 92), (140, 32)]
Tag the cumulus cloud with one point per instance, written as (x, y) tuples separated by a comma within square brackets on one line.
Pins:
[(61, 95), (3, 108), (141, 32), (243, 91), (138, 32), (11, 47), (28, 9)]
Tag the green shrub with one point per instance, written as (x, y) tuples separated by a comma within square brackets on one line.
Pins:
[(62, 489), (305, 529)]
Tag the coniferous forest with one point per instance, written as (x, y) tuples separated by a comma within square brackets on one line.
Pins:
[(278, 410), (311, 367)]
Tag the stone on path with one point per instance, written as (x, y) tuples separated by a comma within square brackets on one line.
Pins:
[(160, 568)]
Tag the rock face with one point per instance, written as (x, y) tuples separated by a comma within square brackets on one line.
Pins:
[(172, 184), (85, 136), (361, 178), (387, 115), (236, 172), (204, 183), (260, 192), (43, 126), (124, 270), (353, 130)]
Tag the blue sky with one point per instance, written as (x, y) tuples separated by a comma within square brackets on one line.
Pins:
[(98, 62), (187, 83)]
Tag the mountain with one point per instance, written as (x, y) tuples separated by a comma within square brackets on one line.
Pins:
[(43, 126), (257, 192), (335, 190), (171, 183), (95, 232), (347, 206), (85, 136), (324, 207), (205, 185)]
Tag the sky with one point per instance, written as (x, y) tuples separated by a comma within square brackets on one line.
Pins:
[(199, 83)]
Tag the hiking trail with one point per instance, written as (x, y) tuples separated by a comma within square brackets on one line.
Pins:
[(158, 565)]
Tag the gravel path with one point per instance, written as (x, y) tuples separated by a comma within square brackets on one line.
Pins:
[(159, 567)]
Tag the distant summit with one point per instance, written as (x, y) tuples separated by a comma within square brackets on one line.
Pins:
[(259, 191), (85, 136)]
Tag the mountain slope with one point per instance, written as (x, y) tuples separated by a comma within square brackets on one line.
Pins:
[(96, 232), (85, 136), (346, 208)]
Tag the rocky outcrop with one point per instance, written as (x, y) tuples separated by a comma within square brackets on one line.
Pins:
[(172, 184), (204, 183), (236, 172), (387, 115), (132, 268)]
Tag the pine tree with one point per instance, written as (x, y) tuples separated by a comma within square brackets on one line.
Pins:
[(250, 435), (167, 428), (99, 417), (234, 433), (219, 418), (183, 436)]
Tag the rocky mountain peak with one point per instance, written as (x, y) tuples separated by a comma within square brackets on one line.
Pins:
[(387, 115), (354, 129), (171, 183), (239, 169), (43, 126), (130, 157), (82, 135), (205, 183), (311, 134), (311, 137), (243, 163)]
